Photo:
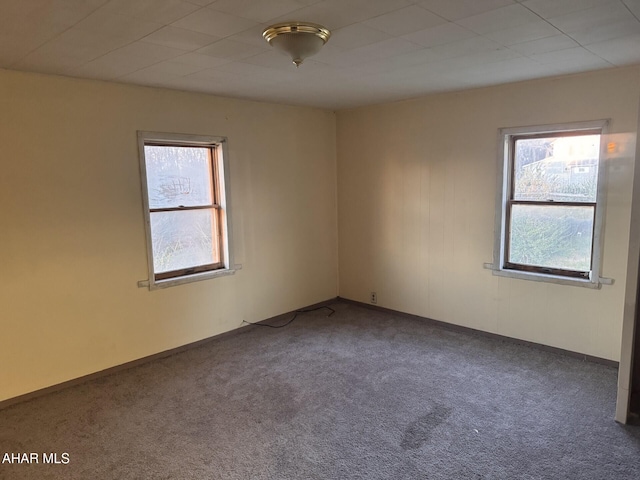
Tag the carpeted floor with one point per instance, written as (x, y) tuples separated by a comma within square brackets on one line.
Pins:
[(358, 395)]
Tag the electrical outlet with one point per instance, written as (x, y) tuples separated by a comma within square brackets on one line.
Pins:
[(374, 297)]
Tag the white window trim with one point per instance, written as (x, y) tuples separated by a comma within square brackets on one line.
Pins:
[(205, 141), (504, 180)]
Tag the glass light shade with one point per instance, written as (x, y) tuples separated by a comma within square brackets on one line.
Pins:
[(296, 39)]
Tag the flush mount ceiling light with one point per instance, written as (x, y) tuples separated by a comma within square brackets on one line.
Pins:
[(299, 40)]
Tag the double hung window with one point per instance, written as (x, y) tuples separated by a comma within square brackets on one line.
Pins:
[(550, 206), (186, 208)]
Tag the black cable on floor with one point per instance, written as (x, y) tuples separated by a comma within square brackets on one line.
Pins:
[(296, 313)]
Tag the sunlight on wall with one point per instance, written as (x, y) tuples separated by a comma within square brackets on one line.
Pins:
[(416, 211)]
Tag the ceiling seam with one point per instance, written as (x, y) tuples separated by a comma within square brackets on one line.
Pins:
[(58, 34), (629, 9), (568, 35)]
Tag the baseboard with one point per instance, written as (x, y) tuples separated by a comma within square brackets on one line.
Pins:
[(473, 331), (238, 331), (141, 361)]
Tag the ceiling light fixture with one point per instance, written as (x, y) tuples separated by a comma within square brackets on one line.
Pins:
[(299, 40)]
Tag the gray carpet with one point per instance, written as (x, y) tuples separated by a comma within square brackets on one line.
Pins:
[(360, 395)]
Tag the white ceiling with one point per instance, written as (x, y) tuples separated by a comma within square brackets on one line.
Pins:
[(379, 51)]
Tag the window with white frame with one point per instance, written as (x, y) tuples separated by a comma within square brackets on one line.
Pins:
[(185, 196), (550, 208)]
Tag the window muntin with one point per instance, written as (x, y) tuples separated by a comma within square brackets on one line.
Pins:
[(185, 207), (551, 203)]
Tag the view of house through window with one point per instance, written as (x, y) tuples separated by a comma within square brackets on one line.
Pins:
[(184, 207), (550, 203), (553, 202)]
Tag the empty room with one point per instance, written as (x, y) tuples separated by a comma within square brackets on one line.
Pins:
[(319, 239)]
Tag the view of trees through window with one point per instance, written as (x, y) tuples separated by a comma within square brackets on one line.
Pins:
[(184, 226), (553, 201)]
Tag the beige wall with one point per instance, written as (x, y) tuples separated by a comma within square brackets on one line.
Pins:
[(71, 224), (416, 188), (416, 196)]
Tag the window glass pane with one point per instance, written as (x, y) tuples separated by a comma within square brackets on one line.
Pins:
[(184, 239), (178, 176), (551, 236), (557, 168)]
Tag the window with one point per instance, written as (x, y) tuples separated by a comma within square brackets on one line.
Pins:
[(550, 208), (185, 193)]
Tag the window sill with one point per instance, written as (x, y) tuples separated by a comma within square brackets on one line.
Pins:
[(541, 277), (195, 277)]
